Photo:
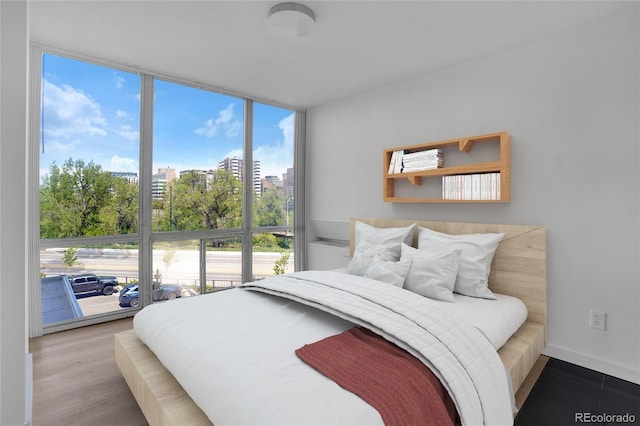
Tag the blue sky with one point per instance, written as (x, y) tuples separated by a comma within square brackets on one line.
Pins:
[(92, 112)]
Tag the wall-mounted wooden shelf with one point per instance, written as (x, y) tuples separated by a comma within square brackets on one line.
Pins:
[(502, 167)]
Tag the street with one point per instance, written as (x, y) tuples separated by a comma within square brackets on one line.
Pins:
[(174, 266), (93, 303), (169, 266)]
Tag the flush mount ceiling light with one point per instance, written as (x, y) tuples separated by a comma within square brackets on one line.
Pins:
[(291, 19)]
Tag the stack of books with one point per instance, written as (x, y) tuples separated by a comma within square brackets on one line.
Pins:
[(479, 186), (406, 162)]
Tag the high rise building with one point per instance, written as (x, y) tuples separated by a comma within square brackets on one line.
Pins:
[(256, 176), (236, 166), (233, 165), (288, 182), (159, 182)]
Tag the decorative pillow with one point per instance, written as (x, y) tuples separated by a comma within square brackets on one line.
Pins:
[(366, 250), (432, 273), (393, 273), (383, 235), (475, 262)]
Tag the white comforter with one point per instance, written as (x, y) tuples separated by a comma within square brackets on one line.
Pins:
[(238, 377)]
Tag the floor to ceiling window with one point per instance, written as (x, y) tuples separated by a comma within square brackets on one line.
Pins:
[(198, 196), (89, 193), (274, 200)]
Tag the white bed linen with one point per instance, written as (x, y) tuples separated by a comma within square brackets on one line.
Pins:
[(497, 319), (268, 379), (457, 353), (263, 368)]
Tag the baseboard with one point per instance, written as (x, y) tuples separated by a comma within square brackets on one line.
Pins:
[(592, 363)]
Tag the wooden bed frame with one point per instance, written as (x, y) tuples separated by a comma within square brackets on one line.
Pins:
[(519, 269)]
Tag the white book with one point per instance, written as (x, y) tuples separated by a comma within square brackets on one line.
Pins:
[(422, 161), (397, 161), (394, 154), (476, 182), (491, 186), (487, 186), (418, 167), (422, 154), (444, 187)]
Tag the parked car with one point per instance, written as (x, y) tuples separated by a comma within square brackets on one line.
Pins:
[(84, 283), (129, 294)]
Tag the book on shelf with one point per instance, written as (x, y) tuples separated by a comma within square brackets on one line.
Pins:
[(395, 165), (426, 154), (421, 166), (478, 186), (403, 161)]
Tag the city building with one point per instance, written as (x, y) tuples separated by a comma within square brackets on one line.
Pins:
[(288, 182), (271, 182), (236, 166), (159, 182), (130, 177)]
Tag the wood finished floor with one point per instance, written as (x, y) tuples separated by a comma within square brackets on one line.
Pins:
[(76, 382)]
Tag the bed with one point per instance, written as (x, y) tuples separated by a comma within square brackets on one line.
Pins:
[(518, 270)]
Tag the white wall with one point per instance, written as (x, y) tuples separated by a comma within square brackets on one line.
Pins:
[(13, 282), (571, 103)]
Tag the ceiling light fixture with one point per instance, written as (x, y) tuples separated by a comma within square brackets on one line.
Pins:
[(291, 19)]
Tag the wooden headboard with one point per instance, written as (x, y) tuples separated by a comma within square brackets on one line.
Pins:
[(519, 266)]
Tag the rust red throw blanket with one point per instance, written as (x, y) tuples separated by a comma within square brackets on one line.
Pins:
[(398, 385)]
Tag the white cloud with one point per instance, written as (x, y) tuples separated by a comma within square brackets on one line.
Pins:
[(225, 122), (63, 149), (128, 132), (233, 129), (287, 127), (234, 153), (277, 157), (118, 80), (69, 112), (122, 115), (120, 164)]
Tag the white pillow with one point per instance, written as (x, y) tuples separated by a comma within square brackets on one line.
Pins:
[(432, 273), (364, 253), (393, 273), (475, 262), (383, 235)]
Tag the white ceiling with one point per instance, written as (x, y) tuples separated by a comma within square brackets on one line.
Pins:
[(355, 45)]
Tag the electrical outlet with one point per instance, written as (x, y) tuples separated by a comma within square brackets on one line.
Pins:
[(598, 320)]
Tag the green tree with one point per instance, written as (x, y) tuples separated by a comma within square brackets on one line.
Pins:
[(269, 208), (70, 257), (264, 240), (73, 199), (280, 267), (199, 202), (168, 258), (120, 216)]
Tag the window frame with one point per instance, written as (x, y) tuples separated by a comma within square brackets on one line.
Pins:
[(145, 238)]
